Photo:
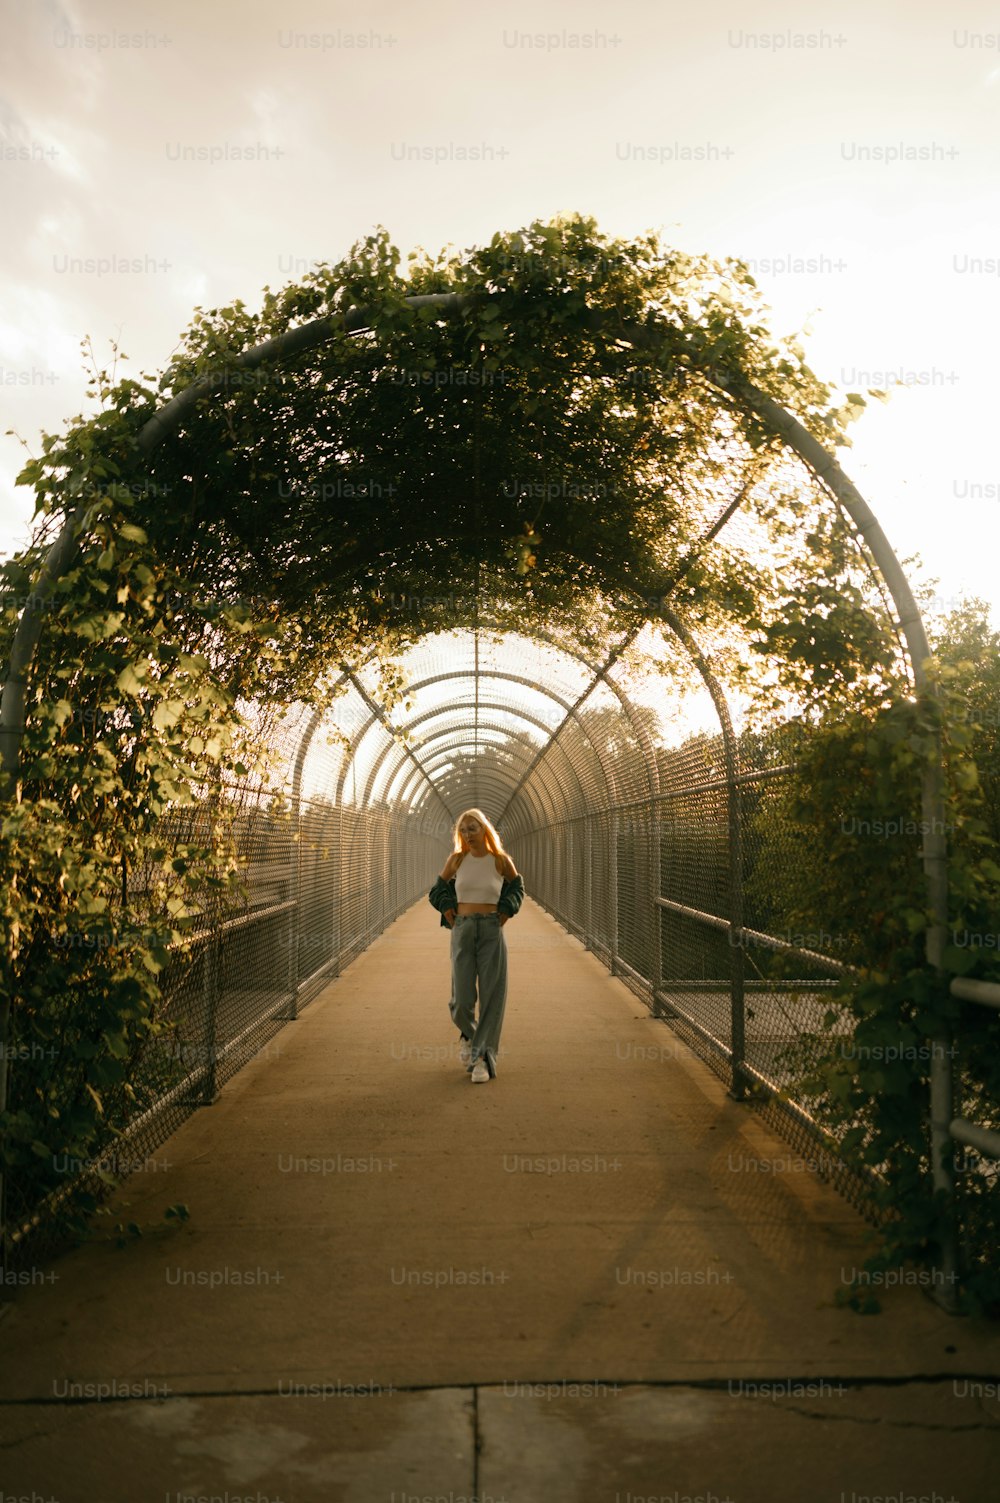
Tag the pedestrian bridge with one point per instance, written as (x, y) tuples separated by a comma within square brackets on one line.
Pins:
[(274, 635), (600, 1276)]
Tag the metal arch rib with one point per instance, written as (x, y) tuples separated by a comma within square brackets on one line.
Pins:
[(357, 320), (293, 342), (600, 676), (377, 714), (443, 744), (442, 710), (501, 785), (492, 781)]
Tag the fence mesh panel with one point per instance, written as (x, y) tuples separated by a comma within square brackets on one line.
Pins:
[(644, 829)]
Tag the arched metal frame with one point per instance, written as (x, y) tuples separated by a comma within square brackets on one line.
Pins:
[(570, 709), (445, 752), (818, 461)]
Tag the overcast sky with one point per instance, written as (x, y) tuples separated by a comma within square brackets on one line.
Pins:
[(155, 157)]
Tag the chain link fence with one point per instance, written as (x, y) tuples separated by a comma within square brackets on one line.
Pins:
[(745, 995), (640, 819), (318, 880)]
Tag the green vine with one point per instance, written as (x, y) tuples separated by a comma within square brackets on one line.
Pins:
[(553, 457), (854, 815)]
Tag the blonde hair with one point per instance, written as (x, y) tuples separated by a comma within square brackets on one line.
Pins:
[(491, 839)]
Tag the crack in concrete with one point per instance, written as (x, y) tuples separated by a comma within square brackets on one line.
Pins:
[(20, 1440), (892, 1424), (477, 1441), (854, 1384)]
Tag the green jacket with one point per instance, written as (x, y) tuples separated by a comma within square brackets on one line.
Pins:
[(442, 897)]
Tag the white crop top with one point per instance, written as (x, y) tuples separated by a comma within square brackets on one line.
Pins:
[(477, 879)]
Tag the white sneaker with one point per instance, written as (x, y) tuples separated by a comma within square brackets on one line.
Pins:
[(465, 1053), (479, 1072)]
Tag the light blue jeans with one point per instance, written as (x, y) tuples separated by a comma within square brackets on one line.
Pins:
[(479, 953)]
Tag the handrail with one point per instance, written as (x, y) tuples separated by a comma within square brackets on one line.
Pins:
[(986, 993), (768, 941), (983, 1139)]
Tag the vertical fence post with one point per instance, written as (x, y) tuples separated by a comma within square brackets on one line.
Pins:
[(588, 894), (210, 994), (336, 938), (212, 973), (655, 912), (658, 1007), (615, 895), (942, 1086), (737, 953), (294, 967), (294, 914)]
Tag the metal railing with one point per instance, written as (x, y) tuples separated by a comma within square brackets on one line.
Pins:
[(237, 979), (675, 911), (983, 1139), (672, 876)]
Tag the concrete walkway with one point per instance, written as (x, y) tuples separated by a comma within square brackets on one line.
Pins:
[(594, 1278)]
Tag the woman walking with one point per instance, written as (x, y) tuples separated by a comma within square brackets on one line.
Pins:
[(478, 890)]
